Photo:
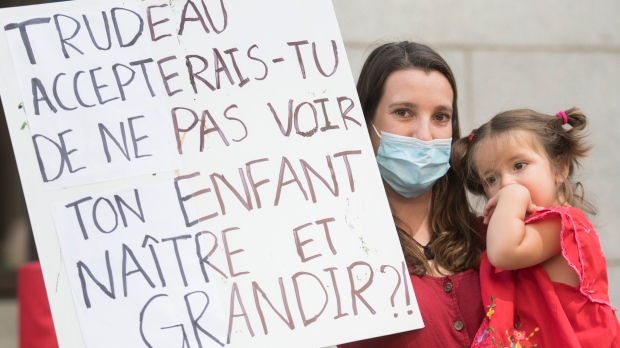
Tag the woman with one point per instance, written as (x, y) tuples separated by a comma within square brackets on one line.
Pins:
[(409, 99)]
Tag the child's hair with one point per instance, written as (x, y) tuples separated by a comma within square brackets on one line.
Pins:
[(563, 147)]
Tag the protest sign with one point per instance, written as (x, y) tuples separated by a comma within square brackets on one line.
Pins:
[(199, 174)]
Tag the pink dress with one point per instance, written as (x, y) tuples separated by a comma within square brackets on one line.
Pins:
[(526, 309)]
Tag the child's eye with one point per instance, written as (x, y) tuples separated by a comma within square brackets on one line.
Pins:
[(520, 165), (490, 180)]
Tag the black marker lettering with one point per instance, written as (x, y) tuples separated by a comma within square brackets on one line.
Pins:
[(135, 140), (155, 258), (107, 32), (95, 215), (141, 63), (176, 252), (24, 34), (98, 87), (78, 214), (64, 41), (128, 252), (108, 291), (194, 320), (63, 153), (118, 30), (55, 90), (77, 92), (37, 87)]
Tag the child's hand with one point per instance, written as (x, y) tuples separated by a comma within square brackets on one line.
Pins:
[(489, 208), (513, 192)]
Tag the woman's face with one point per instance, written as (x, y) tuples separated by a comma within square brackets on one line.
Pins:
[(414, 104)]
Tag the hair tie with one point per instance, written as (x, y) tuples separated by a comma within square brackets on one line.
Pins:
[(563, 116), (471, 137)]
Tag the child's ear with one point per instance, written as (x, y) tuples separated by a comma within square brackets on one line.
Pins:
[(559, 178), (565, 170)]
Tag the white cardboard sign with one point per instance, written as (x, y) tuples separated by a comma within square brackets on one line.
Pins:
[(199, 174)]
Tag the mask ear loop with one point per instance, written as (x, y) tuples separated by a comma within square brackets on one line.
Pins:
[(375, 128)]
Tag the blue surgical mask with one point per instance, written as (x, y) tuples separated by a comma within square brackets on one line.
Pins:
[(409, 165)]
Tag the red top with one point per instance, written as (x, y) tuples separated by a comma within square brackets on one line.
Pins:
[(36, 328), (525, 308), (451, 309)]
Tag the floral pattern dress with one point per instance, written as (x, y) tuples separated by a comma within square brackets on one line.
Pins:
[(526, 309)]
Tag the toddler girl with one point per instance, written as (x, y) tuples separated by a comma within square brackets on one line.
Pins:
[(543, 276)]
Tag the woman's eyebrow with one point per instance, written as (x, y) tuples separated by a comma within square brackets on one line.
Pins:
[(407, 104), (444, 108)]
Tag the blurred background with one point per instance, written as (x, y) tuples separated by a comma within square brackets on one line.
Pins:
[(548, 55)]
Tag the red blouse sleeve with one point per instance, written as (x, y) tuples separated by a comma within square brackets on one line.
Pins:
[(582, 250)]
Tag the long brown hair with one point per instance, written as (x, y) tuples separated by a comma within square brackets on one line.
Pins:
[(562, 147), (456, 243)]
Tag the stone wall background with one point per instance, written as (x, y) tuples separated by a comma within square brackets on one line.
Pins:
[(548, 55)]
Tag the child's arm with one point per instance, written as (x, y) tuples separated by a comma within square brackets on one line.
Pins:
[(510, 243)]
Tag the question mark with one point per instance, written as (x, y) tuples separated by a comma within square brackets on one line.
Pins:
[(405, 282), (407, 298)]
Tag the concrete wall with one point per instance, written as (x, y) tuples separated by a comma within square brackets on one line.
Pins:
[(548, 55)]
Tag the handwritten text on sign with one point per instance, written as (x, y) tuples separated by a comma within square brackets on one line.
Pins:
[(85, 100), (273, 230)]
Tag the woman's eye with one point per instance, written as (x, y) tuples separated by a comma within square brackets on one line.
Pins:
[(442, 117), (520, 165), (402, 112)]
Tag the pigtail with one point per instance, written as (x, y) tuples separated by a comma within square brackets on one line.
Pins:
[(576, 119), (571, 148)]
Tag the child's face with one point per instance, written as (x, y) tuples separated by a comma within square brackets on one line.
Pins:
[(515, 159)]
